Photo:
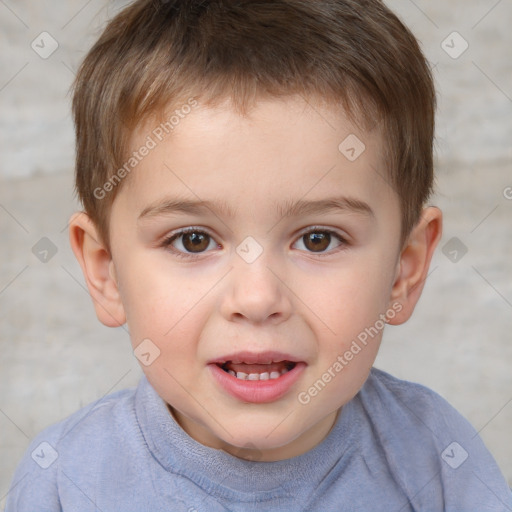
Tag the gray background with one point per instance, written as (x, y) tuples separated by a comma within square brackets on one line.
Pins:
[(56, 357)]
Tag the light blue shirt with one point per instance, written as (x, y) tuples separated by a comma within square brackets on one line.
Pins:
[(397, 446)]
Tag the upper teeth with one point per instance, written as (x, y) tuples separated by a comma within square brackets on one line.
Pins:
[(257, 376), (236, 361)]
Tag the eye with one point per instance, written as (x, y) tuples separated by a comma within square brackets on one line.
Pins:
[(319, 240), (189, 242)]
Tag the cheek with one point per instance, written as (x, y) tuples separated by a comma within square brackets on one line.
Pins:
[(147, 295), (350, 305), (167, 307), (349, 299)]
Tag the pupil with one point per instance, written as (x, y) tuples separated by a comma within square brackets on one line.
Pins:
[(195, 242), (320, 241)]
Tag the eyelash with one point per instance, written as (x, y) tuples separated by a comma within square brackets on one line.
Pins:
[(167, 242)]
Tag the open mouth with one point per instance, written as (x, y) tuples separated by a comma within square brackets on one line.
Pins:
[(264, 371), (257, 377)]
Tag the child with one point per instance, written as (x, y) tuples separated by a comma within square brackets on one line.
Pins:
[(254, 176)]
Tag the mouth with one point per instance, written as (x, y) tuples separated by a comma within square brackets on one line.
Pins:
[(257, 377), (265, 371)]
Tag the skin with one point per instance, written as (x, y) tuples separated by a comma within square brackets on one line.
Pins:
[(308, 300)]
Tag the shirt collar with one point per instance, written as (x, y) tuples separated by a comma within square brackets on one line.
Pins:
[(220, 472)]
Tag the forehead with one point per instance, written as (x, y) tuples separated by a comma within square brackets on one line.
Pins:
[(280, 151)]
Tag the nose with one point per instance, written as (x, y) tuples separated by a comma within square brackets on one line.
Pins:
[(256, 294)]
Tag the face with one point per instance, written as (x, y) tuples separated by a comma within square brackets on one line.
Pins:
[(257, 245)]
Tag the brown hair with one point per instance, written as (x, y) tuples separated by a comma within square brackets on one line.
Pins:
[(153, 54)]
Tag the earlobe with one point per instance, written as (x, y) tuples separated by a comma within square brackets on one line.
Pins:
[(98, 269), (414, 262)]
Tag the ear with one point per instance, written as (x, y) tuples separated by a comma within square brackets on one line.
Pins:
[(414, 263), (98, 268)]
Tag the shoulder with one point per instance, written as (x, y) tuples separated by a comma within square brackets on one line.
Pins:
[(94, 421), (76, 440), (432, 451), (414, 418), (412, 400)]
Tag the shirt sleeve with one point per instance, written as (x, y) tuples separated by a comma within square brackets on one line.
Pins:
[(34, 485), (433, 451)]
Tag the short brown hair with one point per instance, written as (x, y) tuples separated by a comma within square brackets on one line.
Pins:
[(153, 54)]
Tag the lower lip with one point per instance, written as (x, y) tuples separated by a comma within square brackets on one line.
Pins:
[(257, 391)]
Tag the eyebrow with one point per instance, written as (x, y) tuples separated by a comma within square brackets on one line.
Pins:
[(289, 208), (184, 206), (328, 205)]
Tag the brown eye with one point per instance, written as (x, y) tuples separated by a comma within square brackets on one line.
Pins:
[(195, 241), (189, 243), (320, 241), (317, 241)]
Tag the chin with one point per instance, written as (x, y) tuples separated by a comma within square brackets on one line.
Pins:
[(269, 438)]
